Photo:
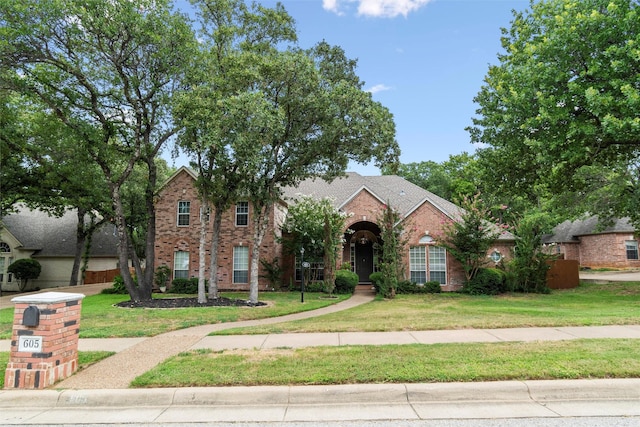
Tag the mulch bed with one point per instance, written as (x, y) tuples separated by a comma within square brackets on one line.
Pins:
[(188, 302)]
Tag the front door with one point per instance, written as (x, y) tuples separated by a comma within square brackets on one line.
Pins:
[(364, 261)]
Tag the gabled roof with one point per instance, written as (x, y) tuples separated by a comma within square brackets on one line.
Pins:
[(570, 231), (397, 191), (53, 236)]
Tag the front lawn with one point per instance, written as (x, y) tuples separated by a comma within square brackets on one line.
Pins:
[(587, 305), (100, 319)]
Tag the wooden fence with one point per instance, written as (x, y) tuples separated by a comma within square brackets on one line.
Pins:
[(563, 274), (104, 276)]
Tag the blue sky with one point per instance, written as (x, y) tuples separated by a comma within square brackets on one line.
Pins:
[(424, 60)]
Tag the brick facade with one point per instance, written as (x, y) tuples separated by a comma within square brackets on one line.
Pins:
[(363, 209), (601, 250), (171, 237)]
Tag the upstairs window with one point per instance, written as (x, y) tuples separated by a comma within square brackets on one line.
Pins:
[(184, 211), (242, 214)]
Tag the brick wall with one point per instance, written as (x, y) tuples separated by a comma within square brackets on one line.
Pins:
[(606, 250), (58, 359), (170, 237)]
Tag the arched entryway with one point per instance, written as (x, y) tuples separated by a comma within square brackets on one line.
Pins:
[(363, 242)]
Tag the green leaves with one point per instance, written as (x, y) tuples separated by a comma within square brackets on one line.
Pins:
[(563, 96)]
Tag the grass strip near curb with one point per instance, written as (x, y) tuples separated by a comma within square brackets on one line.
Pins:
[(602, 358), (101, 319), (85, 359)]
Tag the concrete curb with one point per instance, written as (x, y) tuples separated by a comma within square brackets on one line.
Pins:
[(502, 399)]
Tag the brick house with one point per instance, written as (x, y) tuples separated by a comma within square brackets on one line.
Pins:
[(361, 197), (615, 246)]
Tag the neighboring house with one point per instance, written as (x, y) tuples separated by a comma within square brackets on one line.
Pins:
[(52, 241), (362, 198), (615, 246)]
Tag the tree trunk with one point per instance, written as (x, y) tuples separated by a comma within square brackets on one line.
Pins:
[(215, 242), (260, 223), (202, 251), (80, 239)]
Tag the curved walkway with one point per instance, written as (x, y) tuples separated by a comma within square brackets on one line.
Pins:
[(120, 369)]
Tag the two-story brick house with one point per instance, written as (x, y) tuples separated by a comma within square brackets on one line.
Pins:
[(362, 197)]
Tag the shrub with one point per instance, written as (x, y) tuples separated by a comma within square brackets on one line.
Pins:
[(118, 286), (346, 282), (25, 269), (432, 287), (185, 286), (162, 275), (314, 287), (487, 281), (376, 280), (409, 287)]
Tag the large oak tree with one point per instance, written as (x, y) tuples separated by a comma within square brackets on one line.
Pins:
[(560, 113), (107, 70)]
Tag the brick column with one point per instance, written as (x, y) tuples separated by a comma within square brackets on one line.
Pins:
[(44, 342)]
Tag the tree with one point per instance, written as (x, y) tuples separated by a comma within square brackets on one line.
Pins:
[(391, 250), (278, 116), (563, 100), (530, 263), (25, 269), (469, 237), (317, 227), (108, 71), (319, 119), (218, 110)]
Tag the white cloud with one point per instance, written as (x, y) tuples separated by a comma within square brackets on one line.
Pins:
[(376, 8), (378, 88)]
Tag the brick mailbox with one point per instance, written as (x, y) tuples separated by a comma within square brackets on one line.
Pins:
[(44, 342)]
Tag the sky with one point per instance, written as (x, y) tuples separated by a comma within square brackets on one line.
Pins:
[(425, 60)]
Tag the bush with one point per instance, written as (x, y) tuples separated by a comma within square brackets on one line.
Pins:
[(376, 280), (409, 287), (118, 286), (346, 282), (488, 281), (25, 269), (184, 286), (432, 287), (314, 287)]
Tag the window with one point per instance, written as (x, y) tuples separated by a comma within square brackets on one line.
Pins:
[(632, 249), (4, 247), (181, 265), (241, 264), (496, 256), (418, 264), (242, 213), (184, 209), (314, 273), (438, 264)]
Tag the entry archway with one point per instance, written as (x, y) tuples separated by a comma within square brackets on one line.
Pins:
[(363, 245)]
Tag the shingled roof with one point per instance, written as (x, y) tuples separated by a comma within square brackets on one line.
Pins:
[(397, 191), (56, 236), (570, 231)]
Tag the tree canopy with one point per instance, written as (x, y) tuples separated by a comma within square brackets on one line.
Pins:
[(560, 113)]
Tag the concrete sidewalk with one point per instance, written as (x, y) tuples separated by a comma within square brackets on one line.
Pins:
[(503, 399)]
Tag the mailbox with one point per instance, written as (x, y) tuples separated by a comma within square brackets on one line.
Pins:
[(31, 316)]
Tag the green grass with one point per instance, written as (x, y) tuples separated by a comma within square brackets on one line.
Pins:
[(100, 319), (400, 363), (587, 305), (85, 358)]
